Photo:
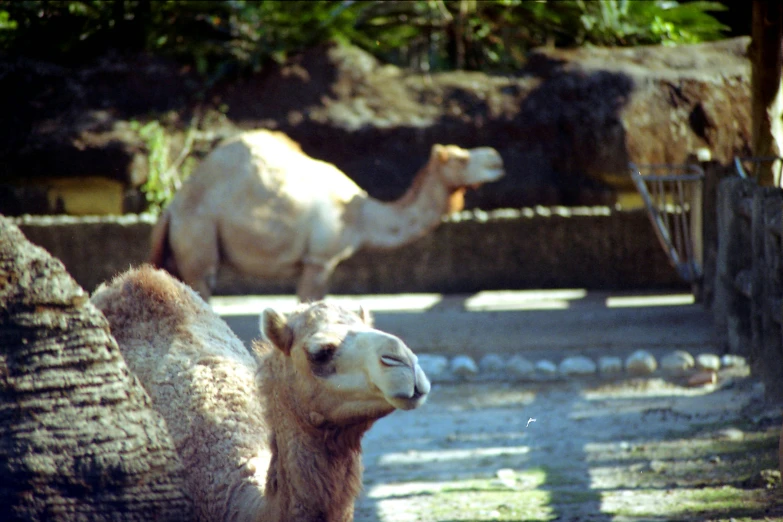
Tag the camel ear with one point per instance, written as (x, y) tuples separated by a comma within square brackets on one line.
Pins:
[(365, 315), (275, 328), (440, 153)]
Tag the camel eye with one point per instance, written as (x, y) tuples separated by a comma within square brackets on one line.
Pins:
[(323, 355)]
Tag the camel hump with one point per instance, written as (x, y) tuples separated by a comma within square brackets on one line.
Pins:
[(285, 139), (154, 296), (161, 255), (260, 137)]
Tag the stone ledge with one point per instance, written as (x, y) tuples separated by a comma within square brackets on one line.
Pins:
[(541, 247)]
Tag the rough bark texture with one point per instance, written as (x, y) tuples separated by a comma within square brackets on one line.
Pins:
[(731, 308), (765, 55), (714, 173), (766, 357), (78, 437)]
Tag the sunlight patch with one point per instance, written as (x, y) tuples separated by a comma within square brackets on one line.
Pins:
[(511, 300), (650, 300), (682, 501), (471, 499), (255, 304), (419, 457), (643, 388)]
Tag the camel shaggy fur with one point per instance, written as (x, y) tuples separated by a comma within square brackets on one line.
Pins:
[(261, 205), (273, 434)]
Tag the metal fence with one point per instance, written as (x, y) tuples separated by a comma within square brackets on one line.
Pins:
[(672, 195), (748, 167)]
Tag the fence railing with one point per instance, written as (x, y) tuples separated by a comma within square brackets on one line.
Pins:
[(741, 164), (672, 195)]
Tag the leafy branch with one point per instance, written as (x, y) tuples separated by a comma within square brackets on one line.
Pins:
[(164, 177), (239, 36)]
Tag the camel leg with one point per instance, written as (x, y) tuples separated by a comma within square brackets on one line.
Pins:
[(313, 282), (204, 287), (195, 250)]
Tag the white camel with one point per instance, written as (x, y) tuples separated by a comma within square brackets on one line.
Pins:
[(261, 205)]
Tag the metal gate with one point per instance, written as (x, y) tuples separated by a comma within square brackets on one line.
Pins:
[(754, 163), (672, 195)]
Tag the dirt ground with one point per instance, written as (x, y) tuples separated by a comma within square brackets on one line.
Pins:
[(589, 449), (634, 449)]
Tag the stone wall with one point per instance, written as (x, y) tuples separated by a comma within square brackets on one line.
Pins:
[(543, 247)]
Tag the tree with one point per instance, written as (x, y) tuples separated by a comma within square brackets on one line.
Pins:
[(78, 437), (224, 38), (766, 96)]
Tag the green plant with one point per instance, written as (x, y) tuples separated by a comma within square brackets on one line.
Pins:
[(627, 22), (164, 176), (5, 21), (220, 39)]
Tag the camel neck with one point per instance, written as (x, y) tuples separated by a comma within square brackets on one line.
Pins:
[(315, 473), (417, 212)]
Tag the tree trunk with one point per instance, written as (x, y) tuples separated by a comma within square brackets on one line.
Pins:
[(78, 437), (767, 104)]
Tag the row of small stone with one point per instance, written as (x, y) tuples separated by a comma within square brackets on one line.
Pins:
[(492, 366)]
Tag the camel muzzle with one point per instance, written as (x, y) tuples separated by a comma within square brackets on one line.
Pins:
[(486, 165), (419, 392)]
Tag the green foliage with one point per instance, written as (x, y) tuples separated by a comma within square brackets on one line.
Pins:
[(5, 21), (164, 176), (236, 36), (625, 22)]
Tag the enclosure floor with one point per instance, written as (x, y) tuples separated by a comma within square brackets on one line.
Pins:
[(590, 449)]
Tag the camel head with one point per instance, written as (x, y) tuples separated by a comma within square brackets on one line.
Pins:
[(345, 370), (463, 168)]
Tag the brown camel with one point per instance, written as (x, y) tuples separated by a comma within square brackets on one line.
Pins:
[(273, 435), (261, 205)]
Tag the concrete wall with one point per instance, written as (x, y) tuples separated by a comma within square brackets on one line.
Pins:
[(593, 248)]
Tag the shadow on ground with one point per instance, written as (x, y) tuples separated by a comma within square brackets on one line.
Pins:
[(629, 450)]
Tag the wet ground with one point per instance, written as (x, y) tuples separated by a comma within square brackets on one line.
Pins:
[(625, 449)]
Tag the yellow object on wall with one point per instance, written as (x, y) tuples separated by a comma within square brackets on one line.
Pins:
[(85, 196)]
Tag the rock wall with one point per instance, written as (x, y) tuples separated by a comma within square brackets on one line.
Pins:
[(593, 248), (566, 125)]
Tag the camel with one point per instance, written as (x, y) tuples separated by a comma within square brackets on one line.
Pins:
[(261, 205), (273, 433)]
